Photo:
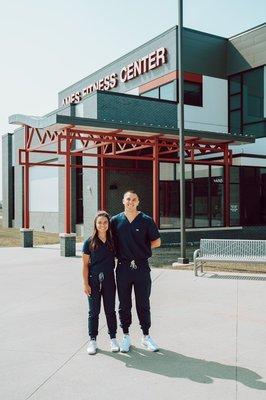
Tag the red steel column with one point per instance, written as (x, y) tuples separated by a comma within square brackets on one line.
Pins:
[(155, 182), (26, 198), (68, 184), (226, 187), (102, 182)]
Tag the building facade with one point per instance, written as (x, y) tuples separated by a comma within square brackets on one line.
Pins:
[(135, 97)]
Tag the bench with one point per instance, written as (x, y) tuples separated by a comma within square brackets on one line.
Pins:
[(229, 250)]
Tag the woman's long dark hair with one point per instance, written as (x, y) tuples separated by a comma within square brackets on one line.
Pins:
[(94, 239)]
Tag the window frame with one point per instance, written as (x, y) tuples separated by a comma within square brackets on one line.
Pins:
[(176, 99), (244, 125)]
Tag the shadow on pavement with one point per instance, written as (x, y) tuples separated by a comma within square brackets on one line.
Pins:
[(175, 365)]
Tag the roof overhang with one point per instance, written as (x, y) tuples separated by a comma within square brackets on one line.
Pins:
[(58, 122)]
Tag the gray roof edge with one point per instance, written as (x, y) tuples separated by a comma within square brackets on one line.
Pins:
[(204, 33), (254, 28), (53, 119), (71, 120), (7, 134), (64, 119), (33, 121)]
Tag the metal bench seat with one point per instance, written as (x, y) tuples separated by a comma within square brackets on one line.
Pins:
[(229, 250)]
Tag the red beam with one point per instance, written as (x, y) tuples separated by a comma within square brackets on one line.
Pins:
[(106, 139), (133, 157), (26, 200), (112, 168), (31, 132), (68, 187), (93, 146), (89, 132), (176, 160), (43, 145), (155, 183), (116, 133), (102, 182), (132, 149)]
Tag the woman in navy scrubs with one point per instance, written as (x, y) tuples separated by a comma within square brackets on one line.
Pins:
[(98, 280)]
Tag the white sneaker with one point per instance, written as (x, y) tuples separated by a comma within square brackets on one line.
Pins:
[(125, 344), (114, 345), (92, 347), (149, 343)]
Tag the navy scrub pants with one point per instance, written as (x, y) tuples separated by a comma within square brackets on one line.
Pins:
[(102, 286), (139, 279)]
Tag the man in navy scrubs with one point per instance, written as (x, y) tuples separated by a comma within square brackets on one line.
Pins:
[(135, 234)]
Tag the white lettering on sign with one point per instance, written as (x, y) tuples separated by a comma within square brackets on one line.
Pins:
[(139, 67), (143, 65), (234, 207), (218, 180)]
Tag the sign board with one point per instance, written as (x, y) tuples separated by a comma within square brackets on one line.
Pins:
[(139, 67)]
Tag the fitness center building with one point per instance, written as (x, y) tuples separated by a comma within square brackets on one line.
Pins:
[(118, 129)]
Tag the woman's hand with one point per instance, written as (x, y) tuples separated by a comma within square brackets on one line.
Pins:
[(87, 289)]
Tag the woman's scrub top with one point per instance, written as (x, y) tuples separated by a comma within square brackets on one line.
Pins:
[(102, 258)]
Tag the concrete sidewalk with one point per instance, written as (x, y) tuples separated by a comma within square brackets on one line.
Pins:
[(211, 330)]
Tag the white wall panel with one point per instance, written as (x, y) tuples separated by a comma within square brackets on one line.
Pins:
[(259, 148), (249, 162), (44, 189), (134, 91), (213, 116)]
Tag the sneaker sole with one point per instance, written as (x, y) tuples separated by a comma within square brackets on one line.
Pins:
[(147, 348), (115, 350), (91, 354), (124, 351)]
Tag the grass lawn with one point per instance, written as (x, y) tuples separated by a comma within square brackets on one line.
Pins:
[(11, 237), (163, 257)]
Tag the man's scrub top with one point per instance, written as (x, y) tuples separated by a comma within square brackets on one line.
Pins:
[(102, 259), (133, 239)]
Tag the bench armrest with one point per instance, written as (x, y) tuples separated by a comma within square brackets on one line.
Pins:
[(196, 254)]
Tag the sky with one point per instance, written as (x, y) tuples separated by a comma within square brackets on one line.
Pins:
[(47, 45)]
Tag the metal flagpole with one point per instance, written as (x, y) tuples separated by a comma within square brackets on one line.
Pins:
[(182, 259)]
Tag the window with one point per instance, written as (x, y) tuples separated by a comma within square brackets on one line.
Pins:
[(164, 92), (170, 195), (235, 121), (235, 102), (193, 93), (204, 191), (169, 91), (234, 196), (263, 195), (154, 93), (246, 103), (252, 94), (258, 129), (235, 84), (249, 196), (217, 199), (167, 171), (201, 195)]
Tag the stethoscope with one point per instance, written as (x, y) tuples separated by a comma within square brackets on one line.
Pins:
[(101, 279)]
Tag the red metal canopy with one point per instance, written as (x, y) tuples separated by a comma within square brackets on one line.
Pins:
[(73, 141)]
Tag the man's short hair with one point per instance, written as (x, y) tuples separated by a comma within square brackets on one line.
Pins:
[(130, 191)]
